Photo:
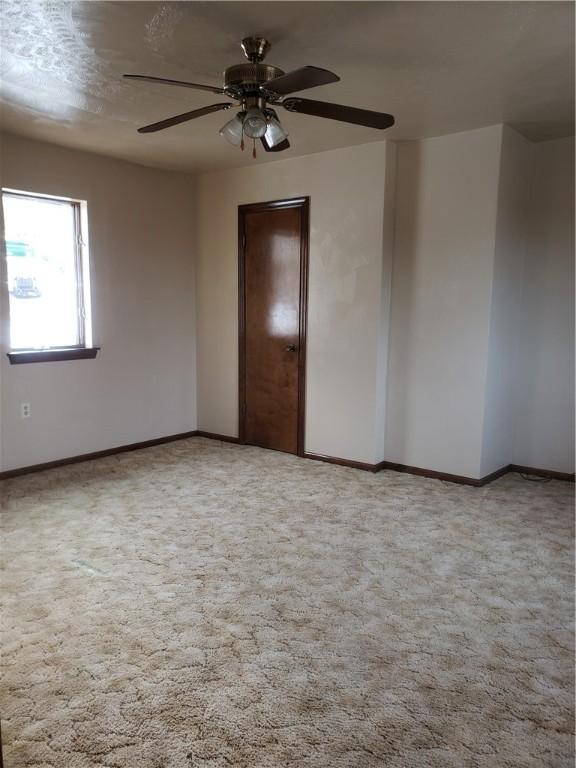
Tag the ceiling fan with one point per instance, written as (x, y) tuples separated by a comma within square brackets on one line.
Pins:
[(258, 88)]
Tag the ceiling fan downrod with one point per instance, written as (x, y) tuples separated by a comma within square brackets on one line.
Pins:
[(255, 48)]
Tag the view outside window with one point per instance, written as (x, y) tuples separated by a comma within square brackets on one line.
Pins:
[(44, 271)]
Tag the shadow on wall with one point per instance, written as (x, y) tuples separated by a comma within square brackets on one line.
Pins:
[(403, 298)]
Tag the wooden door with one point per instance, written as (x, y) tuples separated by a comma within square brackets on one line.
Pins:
[(273, 278)]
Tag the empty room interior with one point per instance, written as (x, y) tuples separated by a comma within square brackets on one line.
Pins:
[(287, 384)]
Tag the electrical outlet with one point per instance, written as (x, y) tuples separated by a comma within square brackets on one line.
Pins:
[(25, 410)]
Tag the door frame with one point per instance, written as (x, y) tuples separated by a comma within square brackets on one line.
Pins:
[(303, 203)]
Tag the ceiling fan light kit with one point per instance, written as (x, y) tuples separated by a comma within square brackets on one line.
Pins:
[(233, 130), (275, 132), (255, 123), (255, 86)]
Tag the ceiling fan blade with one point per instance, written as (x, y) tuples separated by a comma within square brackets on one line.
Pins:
[(183, 83), (277, 148), (365, 117), (183, 118), (299, 80)]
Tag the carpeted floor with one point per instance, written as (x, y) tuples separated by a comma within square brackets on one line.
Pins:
[(203, 605)]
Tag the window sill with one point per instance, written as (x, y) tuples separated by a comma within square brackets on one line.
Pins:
[(52, 355)]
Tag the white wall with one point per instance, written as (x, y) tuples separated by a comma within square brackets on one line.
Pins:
[(545, 421), (504, 381), (446, 203), (465, 365), (348, 293), (481, 365), (142, 383)]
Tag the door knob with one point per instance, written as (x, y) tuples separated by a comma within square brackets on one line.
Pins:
[(291, 348)]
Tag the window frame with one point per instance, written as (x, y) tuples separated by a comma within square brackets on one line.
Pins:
[(84, 348)]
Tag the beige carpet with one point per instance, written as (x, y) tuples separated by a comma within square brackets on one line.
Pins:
[(209, 605)]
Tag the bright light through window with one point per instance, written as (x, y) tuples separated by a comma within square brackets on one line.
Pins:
[(47, 271)]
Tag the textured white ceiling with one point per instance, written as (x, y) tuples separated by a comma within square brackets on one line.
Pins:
[(439, 67)]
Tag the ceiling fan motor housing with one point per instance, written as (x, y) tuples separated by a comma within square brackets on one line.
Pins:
[(249, 76)]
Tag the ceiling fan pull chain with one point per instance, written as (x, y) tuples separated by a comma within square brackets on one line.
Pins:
[(242, 142), (254, 150)]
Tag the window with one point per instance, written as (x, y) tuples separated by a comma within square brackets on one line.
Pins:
[(47, 271)]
